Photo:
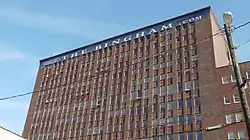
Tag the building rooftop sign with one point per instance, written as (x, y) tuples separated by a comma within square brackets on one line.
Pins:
[(161, 26)]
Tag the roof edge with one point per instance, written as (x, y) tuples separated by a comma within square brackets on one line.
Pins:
[(140, 28)]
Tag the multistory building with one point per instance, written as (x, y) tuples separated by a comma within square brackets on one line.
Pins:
[(163, 81)]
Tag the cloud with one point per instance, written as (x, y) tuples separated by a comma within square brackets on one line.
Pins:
[(12, 56), (56, 24), (9, 105), (11, 52)]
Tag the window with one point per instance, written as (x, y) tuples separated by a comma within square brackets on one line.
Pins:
[(169, 57), (189, 103), (233, 78), (170, 137), (198, 118), (163, 90), (225, 79), (241, 135), (155, 122), (248, 75), (155, 72), (179, 87), (170, 121), (231, 136), (197, 101), (236, 97), (180, 104), (131, 126), (155, 84), (170, 105), (145, 109), (147, 73), (189, 119), (170, 89), (162, 82), (169, 68), (229, 118), (188, 85), (196, 84), (238, 117), (170, 81), (147, 63), (190, 136), (227, 99), (162, 71), (181, 136), (199, 135), (181, 120)]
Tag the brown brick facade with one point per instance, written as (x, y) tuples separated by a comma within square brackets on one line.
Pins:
[(165, 85)]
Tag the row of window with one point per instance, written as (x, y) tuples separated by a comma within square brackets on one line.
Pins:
[(228, 99), (74, 65), (231, 78), (233, 136), (188, 85), (57, 81), (139, 109), (230, 118), (138, 134), (138, 42)]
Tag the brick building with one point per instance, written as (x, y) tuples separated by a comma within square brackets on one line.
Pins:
[(163, 81)]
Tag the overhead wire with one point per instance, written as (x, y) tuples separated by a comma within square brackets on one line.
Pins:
[(206, 38), (143, 59), (5, 98), (244, 43), (242, 25)]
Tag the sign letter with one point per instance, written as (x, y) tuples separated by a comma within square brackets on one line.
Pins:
[(185, 22), (198, 18), (116, 42), (166, 27), (191, 19), (127, 38), (152, 31), (106, 45), (98, 47), (139, 34)]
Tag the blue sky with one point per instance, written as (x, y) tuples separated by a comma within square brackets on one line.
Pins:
[(31, 30)]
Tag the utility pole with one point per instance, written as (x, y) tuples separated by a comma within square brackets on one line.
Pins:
[(243, 100)]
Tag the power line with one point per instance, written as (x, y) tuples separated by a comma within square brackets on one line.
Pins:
[(143, 59), (15, 96), (206, 38), (242, 25), (244, 43), (153, 56)]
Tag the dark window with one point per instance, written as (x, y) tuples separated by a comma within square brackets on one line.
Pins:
[(190, 136), (189, 103), (180, 87), (170, 137), (197, 101), (196, 84), (189, 119), (181, 136), (199, 135), (180, 104), (181, 120)]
